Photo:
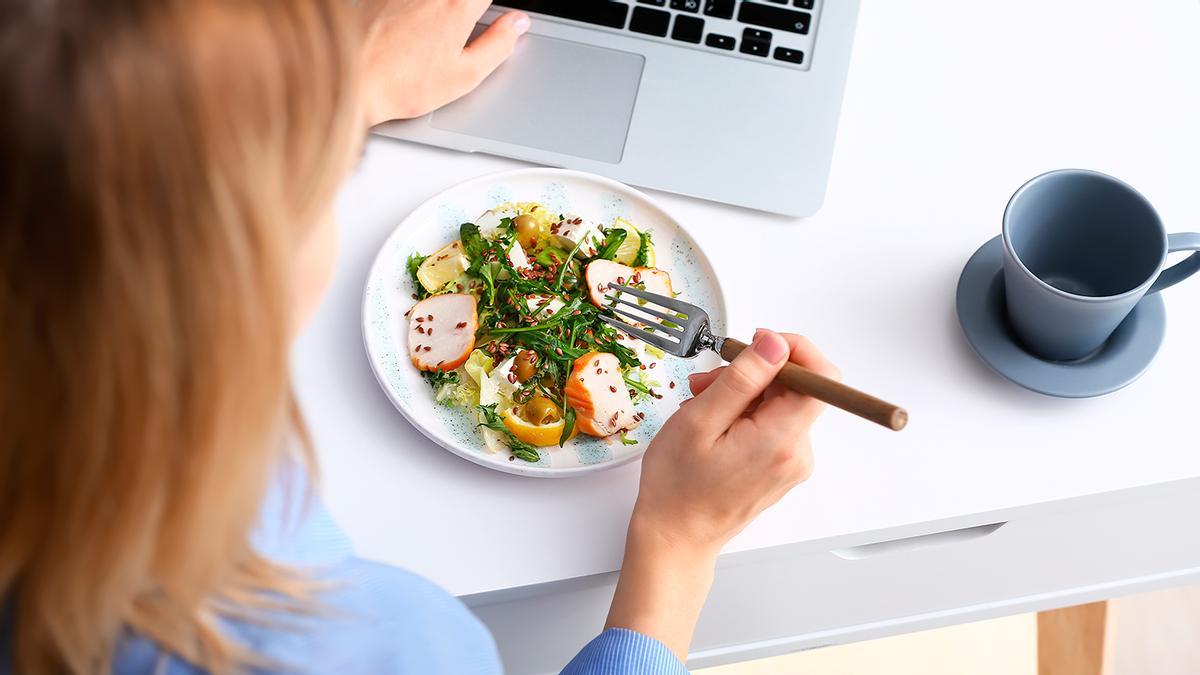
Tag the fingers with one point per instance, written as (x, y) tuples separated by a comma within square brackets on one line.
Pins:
[(494, 45), (738, 385), (806, 354), (698, 382), (786, 414), (803, 353)]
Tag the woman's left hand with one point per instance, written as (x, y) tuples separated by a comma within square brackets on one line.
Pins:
[(416, 55)]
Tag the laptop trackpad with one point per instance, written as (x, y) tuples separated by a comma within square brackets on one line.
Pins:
[(553, 95)]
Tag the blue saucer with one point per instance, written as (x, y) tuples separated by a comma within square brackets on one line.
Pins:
[(984, 321)]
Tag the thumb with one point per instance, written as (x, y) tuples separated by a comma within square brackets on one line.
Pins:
[(739, 384), (495, 44)]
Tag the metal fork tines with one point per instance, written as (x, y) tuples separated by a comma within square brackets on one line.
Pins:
[(686, 332)]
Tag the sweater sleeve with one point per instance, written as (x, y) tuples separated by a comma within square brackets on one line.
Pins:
[(619, 651)]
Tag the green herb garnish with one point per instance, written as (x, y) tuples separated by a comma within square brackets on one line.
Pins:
[(520, 449), (643, 254)]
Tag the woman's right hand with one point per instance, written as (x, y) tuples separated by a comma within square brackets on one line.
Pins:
[(733, 450)]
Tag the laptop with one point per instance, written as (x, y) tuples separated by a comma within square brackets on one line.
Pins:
[(735, 101)]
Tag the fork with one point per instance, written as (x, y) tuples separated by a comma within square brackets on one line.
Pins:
[(686, 332)]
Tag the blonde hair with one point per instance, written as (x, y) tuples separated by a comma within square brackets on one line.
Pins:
[(161, 163)]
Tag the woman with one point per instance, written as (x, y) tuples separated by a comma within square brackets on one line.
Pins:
[(165, 229)]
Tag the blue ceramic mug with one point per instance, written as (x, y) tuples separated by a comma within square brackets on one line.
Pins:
[(1080, 250)]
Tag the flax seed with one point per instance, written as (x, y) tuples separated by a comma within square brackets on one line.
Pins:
[(461, 324), (428, 349), (612, 388)]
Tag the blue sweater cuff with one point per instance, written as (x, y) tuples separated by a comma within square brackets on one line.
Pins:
[(619, 651)]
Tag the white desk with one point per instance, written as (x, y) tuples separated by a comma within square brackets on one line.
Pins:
[(950, 107)]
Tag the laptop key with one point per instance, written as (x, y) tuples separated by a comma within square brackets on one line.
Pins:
[(789, 55), (599, 12), (804, 4), (719, 41), (721, 9), (688, 29), (767, 16), (755, 42), (686, 5), (656, 3), (650, 21)]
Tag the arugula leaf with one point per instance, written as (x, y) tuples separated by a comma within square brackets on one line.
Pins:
[(554, 320), (475, 247), (520, 449), (612, 241), (414, 263), (625, 440), (568, 424), (567, 263), (473, 243), (643, 254)]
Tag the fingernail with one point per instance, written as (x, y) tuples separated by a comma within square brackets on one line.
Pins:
[(770, 346), (521, 23)]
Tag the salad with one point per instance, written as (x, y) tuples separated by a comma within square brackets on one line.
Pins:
[(506, 326)]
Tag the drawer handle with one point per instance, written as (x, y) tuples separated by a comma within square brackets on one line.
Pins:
[(915, 543)]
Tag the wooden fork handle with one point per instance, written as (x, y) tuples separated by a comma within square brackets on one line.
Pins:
[(805, 381)]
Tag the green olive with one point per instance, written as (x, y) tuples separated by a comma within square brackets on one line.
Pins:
[(523, 366), (541, 410), (527, 230)]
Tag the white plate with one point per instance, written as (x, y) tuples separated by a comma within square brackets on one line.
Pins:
[(389, 294)]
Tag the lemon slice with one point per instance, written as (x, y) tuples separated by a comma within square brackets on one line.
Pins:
[(628, 250), (540, 435), (443, 267)]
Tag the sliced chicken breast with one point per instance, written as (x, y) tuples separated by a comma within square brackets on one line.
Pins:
[(654, 281), (600, 273), (441, 331), (598, 394)]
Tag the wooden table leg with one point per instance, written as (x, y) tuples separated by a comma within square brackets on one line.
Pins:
[(1076, 640)]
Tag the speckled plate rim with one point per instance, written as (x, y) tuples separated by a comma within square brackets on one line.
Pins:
[(664, 218)]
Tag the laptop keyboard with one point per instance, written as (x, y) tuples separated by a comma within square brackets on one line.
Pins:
[(770, 31)]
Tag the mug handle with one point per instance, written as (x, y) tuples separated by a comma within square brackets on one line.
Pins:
[(1183, 241)]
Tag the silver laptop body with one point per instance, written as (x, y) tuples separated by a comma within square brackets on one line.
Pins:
[(741, 110)]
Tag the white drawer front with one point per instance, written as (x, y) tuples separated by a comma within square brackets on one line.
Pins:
[(812, 594)]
